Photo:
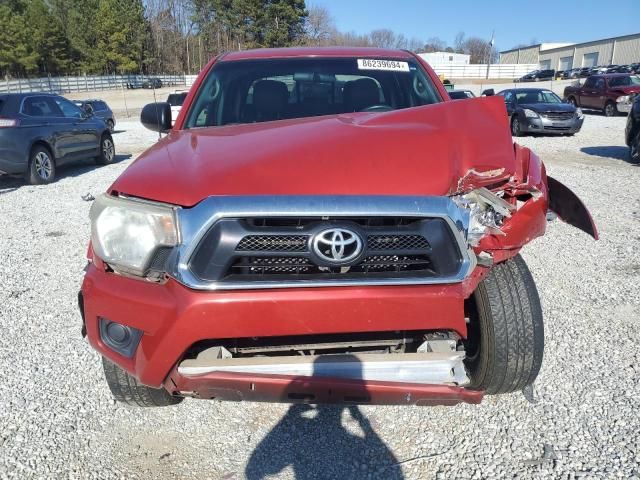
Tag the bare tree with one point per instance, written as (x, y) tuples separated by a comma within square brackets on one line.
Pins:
[(383, 38), (458, 42), (320, 27), (481, 50), (434, 44)]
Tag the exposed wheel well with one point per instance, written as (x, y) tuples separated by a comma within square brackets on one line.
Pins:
[(42, 143)]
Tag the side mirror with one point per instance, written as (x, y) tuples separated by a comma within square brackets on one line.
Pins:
[(156, 117), (489, 92)]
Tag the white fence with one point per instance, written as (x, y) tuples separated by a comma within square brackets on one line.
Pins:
[(85, 83), (498, 70)]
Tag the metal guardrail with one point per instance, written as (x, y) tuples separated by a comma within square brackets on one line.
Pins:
[(85, 83)]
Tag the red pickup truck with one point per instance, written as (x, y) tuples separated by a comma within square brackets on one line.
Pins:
[(321, 225), (611, 93)]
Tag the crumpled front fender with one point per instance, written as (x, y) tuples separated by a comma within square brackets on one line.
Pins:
[(570, 208)]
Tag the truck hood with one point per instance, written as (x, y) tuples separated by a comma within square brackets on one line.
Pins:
[(626, 90), (430, 150)]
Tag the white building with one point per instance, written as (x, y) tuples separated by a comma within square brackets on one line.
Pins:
[(617, 50), (445, 58)]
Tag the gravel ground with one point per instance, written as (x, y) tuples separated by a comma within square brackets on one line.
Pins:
[(581, 420)]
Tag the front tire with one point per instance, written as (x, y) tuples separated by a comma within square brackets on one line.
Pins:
[(516, 129), (126, 389), (107, 150), (634, 149), (505, 342), (42, 166), (610, 110)]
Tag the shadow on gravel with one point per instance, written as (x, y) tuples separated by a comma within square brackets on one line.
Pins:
[(615, 152), (9, 183), (314, 443)]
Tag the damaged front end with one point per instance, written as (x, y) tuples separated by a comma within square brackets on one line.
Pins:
[(509, 210)]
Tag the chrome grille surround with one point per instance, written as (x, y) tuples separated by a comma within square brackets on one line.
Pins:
[(195, 222)]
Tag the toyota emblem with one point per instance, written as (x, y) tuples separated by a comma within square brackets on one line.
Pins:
[(337, 245)]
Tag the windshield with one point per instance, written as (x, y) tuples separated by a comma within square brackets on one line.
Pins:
[(537, 96), (249, 91), (631, 80)]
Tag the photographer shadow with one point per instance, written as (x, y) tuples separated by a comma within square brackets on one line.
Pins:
[(325, 442)]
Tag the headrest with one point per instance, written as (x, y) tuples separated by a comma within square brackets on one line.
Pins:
[(360, 94), (270, 97)]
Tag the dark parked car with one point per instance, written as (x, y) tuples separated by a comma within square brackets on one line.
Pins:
[(99, 109), (585, 72), (632, 132), (461, 94), (573, 73), (39, 132), (538, 75), (535, 110), (152, 83)]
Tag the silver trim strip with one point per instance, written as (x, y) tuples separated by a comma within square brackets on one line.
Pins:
[(425, 368), (195, 223)]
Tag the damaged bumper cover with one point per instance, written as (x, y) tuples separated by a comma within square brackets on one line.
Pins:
[(406, 379)]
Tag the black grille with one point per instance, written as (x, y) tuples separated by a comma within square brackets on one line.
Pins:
[(273, 243), (558, 115), (274, 249), (270, 265), (397, 242)]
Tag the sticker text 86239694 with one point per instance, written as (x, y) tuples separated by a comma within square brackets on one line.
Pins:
[(389, 65)]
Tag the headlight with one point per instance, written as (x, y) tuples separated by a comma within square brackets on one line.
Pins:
[(530, 113), (487, 212), (579, 113), (126, 233), (623, 99)]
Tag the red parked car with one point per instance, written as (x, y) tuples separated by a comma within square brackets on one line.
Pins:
[(321, 225), (612, 94)]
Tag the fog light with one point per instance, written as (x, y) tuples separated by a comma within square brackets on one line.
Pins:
[(119, 338)]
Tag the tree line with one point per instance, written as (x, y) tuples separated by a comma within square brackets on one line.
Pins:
[(76, 37)]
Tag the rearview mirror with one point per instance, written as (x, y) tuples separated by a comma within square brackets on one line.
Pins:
[(489, 92), (156, 117)]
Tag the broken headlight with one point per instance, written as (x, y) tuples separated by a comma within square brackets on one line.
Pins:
[(125, 233), (487, 212)]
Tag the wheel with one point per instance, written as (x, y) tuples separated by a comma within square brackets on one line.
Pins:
[(516, 130), (572, 101), (505, 341), (107, 150), (42, 166), (536, 79), (111, 125), (610, 110), (634, 149), (127, 389)]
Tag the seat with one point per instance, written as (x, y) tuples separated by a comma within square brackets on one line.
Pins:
[(360, 94), (270, 100)]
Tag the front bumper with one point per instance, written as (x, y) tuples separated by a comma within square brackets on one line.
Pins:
[(624, 107), (284, 388), (173, 317), (554, 127)]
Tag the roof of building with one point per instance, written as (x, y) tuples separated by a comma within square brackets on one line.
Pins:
[(553, 46)]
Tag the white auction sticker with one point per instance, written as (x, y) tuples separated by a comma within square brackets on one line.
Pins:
[(389, 65)]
